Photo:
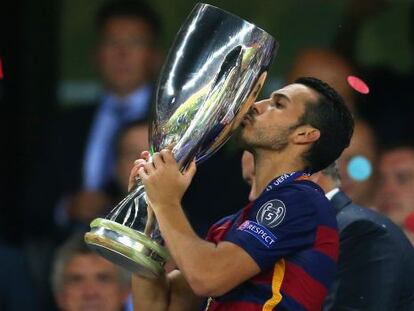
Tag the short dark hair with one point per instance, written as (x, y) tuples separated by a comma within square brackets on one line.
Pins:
[(130, 9), (332, 118)]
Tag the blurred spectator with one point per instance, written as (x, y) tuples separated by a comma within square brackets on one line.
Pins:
[(16, 286), (83, 280), (376, 261), (396, 188), (132, 140), (76, 163), (358, 166), (78, 160), (328, 66), (128, 60)]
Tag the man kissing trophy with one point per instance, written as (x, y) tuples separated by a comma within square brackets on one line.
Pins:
[(213, 73)]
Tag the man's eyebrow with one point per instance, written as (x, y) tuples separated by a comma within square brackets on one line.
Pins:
[(277, 94)]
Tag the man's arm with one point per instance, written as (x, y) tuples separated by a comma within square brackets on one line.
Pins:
[(170, 293), (150, 294), (182, 298), (366, 278), (210, 269)]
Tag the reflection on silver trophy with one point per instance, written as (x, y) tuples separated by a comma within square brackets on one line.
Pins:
[(213, 73)]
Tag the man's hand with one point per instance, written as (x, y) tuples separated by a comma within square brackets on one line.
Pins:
[(164, 183), (145, 156)]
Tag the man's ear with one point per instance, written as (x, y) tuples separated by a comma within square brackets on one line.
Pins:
[(306, 135)]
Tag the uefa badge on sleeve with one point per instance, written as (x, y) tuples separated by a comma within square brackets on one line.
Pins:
[(271, 213)]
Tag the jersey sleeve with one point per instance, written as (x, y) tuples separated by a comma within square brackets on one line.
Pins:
[(279, 224)]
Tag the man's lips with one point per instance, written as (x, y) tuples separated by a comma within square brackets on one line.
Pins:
[(245, 121)]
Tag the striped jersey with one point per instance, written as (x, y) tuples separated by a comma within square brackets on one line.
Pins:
[(290, 231)]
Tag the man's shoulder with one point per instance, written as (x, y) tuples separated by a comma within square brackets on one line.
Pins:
[(301, 198), (375, 238), (300, 193), (353, 213), (355, 220), (306, 193), (298, 188)]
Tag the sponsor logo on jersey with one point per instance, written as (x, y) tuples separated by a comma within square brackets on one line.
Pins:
[(261, 233), (271, 213)]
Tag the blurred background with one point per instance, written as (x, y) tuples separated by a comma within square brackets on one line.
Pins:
[(48, 54), (47, 47)]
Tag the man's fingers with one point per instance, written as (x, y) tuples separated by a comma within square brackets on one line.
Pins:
[(134, 172), (149, 167), (133, 176), (142, 173), (191, 170), (157, 160), (140, 162), (145, 155), (168, 156)]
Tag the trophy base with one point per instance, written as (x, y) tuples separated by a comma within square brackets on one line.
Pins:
[(127, 247)]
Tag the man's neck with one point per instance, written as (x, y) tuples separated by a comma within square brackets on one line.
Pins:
[(270, 164)]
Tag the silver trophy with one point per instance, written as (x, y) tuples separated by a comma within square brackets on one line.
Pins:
[(212, 75)]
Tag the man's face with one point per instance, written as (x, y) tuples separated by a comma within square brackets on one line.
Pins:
[(270, 122), (396, 190), (132, 143), (127, 58), (91, 283)]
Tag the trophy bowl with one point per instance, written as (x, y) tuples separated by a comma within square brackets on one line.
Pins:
[(212, 75)]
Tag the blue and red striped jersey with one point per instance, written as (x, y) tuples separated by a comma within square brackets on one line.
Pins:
[(290, 231)]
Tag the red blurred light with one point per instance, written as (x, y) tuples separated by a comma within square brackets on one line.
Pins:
[(1, 69), (358, 85), (409, 222)]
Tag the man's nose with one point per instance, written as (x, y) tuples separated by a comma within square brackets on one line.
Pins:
[(259, 107), (91, 289)]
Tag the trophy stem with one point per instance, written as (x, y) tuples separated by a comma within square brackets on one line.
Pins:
[(136, 194)]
